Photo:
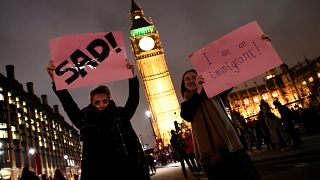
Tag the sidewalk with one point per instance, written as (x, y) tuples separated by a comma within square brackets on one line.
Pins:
[(310, 144)]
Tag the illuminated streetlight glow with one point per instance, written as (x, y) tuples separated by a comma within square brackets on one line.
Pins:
[(32, 151), (148, 113)]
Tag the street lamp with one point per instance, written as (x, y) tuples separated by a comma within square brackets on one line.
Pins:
[(148, 114), (68, 169), (32, 161)]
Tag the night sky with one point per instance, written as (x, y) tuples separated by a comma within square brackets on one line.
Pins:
[(184, 26)]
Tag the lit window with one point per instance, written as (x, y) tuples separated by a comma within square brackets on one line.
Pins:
[(17, 99), (3, 125), (15, 135), (3, 134), (136, 17), (270, 76), (265, 96), (274, 94), (246, 101), (310, 79), (24, 103), (9, 94), (255, 99), (319, 75), (1, 97), (20, 121), (1, 89), (40, 143), (33, 128), (25, 110), (304, 82)]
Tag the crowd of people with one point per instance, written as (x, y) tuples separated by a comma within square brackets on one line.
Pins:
[(282, 132), (213, 146)]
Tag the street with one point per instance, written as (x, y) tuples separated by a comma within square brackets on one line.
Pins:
[(296, 164)]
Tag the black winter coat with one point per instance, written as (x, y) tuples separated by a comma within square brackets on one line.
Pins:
[(110, 144)]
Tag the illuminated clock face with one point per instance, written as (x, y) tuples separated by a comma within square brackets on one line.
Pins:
[(146, 43)]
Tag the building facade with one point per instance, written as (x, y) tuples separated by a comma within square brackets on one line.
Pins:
[(32, 134), (149, 55), (295, 87)]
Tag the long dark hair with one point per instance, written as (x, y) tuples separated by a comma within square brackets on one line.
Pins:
[(183, 88)]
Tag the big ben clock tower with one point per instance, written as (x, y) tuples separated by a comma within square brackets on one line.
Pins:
[(149, 56)]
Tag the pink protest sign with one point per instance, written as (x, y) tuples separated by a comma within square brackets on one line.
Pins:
[(234, 58), (87, 59)]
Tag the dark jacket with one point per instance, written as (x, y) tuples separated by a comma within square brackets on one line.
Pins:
[(110, 144)]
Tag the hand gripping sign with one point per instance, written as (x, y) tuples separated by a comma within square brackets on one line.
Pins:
[(234, 58), (87, 59)]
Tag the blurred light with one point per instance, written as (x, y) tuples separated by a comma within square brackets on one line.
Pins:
[(148, 113), (32, 151)]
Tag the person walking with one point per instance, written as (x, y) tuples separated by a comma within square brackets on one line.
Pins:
[(110, 144), (180, 147), (151, 164), (287, 118), (217, 145), (276, 129), (190, 152)]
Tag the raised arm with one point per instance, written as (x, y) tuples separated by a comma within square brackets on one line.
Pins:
[(70, 107), (134, 95), (68, 104), (133, 99)]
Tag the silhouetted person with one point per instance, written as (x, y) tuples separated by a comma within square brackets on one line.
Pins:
[(58, 175), (180, 147), (151, 164), (287, 118), (25, 175)]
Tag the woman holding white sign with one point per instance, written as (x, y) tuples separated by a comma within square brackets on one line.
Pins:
[(216, 143), (111, 148)]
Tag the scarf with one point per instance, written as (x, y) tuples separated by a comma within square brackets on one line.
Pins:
[(212, 130)]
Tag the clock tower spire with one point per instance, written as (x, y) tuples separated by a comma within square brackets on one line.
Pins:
[(149, 56)]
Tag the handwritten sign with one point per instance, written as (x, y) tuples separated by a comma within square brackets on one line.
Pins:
[(87, 59), (234, 58)]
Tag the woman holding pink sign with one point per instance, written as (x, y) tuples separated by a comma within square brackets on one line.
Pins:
[(216, 143), (111, 147)]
